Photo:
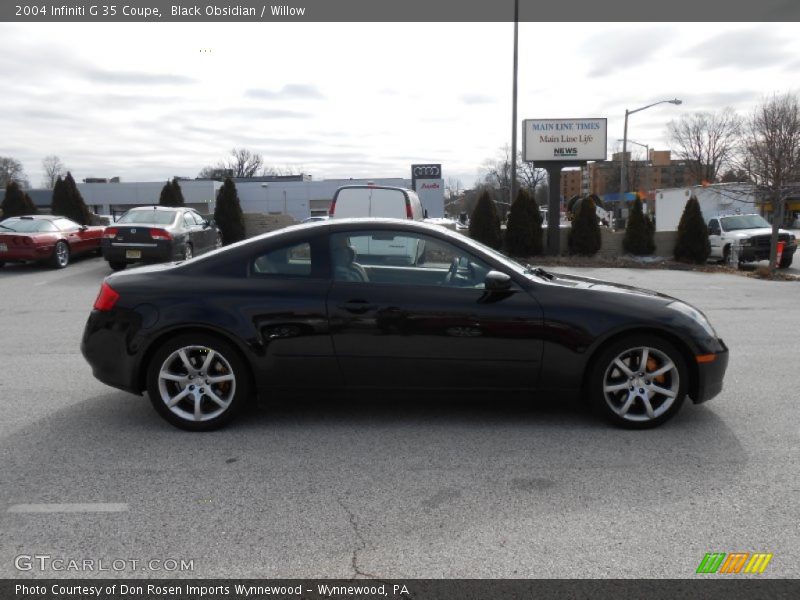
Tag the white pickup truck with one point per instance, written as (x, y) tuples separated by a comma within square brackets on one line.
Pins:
[(753, 233)]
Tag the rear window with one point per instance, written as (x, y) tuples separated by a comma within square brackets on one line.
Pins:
[(26, 226), (148, 217)]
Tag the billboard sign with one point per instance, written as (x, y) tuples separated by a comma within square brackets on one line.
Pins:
[(548, 140)]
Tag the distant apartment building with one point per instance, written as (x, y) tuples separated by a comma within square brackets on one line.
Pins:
[(571, 183), (659, 171)]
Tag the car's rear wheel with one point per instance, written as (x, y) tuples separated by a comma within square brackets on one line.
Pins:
[(187, 252), (117, 266), (639, 381), (60, 257), (197, 382)]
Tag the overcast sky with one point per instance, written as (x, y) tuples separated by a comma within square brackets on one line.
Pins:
[(149, 101)]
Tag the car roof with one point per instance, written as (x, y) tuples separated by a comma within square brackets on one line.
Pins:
[(39, 217), (158, 208)]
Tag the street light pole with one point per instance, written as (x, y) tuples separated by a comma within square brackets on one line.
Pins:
[(623, 167), (514, 108)]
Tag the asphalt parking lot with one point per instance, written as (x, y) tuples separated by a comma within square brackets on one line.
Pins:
[(454, 488)]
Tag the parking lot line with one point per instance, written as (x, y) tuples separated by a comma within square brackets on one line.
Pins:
[(89, 507)]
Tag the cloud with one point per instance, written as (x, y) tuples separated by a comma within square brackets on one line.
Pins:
[(135, 77), (294, 91), (742, 49), (476, 99), (613, 51)]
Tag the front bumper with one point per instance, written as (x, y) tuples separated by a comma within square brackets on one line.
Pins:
[(710, 375), (753, 254)]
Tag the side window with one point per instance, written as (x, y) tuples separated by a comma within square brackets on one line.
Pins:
[(713, 227), (402, 258), (66, 225), (188, 220), (292, 261), (199, 219)]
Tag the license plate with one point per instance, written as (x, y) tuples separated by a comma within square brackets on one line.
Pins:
[(3, 248), (133, 254)]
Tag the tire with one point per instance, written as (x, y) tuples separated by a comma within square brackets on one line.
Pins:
[(60, 257), (218, 242), (2, 264), (623, 395), (187, 252), (786, 261), (117, 266), (196, 409), (726, 255)]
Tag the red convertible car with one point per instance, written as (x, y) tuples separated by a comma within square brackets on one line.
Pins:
[(46, 238)]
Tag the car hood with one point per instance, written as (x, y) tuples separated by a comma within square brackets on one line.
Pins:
[(744, 233), (598, 285)]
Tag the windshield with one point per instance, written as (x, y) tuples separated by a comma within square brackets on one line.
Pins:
[(148, 217), (743, 222), (27, 225)]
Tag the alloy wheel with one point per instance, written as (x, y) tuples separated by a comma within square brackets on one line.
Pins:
[(641, 384), (196, 383)]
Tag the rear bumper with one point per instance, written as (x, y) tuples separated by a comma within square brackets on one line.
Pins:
[(710, 376), (26, 253), (110, 345), (160, 251)]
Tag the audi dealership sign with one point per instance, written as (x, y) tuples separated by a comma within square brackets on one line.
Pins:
[(547, 140), (426, 172)]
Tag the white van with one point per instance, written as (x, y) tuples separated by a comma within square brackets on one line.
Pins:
[(376, 201)]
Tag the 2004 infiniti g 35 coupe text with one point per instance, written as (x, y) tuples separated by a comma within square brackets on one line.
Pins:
[(366, 304)]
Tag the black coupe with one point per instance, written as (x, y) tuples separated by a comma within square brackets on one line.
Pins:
[(368, 304)]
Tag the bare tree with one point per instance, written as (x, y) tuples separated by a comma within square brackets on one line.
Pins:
[(707, 141), (771, 154), (53, 169), (497, 173), (529, 177), (244, 162), (11, 170), (453, 187)]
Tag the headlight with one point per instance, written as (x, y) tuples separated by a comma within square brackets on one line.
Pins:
[(745, 242), (695, 315)]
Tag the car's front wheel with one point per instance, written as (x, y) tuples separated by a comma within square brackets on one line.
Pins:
[(117, 266), (639, 381), (197, 382)]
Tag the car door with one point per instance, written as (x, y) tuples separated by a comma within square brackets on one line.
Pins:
[(289, 283), (78, 240), (715, 237), (205, 232), (425, 320), (193, 232)]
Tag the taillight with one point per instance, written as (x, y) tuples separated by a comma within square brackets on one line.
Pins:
[(409, 213), (106, 299), (160, 234), (110, 232), (333, 208)]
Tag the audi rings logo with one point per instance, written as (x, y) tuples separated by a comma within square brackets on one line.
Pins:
[(426, 171)]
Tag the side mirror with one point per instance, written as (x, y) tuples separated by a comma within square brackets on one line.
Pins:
[(497, 281)]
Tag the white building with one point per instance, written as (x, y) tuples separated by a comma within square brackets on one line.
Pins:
[(714, 200), (300, 198)]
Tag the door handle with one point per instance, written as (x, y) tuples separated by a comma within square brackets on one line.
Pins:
[(357, 306)]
